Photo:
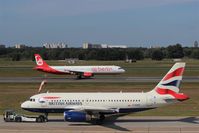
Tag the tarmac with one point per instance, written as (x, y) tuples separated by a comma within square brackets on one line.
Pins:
[(125, 124), (104, 79)]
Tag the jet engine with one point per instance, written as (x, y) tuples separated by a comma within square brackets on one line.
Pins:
[(75, 116), (87, 74)]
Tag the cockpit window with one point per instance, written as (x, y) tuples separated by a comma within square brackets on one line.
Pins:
[(32, 100), (119, 68)]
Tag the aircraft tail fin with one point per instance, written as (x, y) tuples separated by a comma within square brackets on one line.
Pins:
[(39, 61), (170, 83)]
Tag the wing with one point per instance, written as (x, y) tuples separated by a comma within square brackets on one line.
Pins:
[(91, 109), (84, 73)]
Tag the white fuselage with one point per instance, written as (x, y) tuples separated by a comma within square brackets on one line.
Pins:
[(91, 69), (120, 102)]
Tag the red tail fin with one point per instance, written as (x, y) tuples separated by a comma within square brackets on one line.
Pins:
[(39, 61)]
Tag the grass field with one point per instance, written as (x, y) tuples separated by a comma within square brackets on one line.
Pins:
[(12, 95), (140, 68)]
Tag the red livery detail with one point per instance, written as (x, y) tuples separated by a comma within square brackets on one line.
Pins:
[(102, 69), (51, 97), (177, 72), (87, 74), (43, 66), (178, 96)]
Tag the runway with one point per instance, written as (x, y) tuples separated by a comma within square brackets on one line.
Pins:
[(108, 79), (123, 124)]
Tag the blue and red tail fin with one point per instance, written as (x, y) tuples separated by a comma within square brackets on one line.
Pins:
[(173, 78), (170, 83)]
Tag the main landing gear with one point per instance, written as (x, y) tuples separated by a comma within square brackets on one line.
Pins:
[(79, 76), (46, 117), (100, 120)]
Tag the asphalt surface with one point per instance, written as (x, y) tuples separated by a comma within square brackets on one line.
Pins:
[(122, 124), (107, 79)]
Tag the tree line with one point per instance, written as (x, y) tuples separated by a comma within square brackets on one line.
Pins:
[(172, 51)]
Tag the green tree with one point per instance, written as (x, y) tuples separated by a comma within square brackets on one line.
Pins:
[(195, 54), (175, 51), (16, 57), (136, 54), (157, 55)]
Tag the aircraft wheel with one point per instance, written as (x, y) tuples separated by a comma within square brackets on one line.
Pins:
[(79, 76), (102, 117), (18, 119), (41, 118), (38, 119)]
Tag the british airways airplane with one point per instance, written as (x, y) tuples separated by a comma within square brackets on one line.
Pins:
[(81, 71), (78, 107)]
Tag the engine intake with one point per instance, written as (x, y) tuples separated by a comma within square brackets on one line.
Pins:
[(75, 116)]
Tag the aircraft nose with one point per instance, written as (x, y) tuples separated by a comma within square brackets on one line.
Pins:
[(24, 105), (122, 70)]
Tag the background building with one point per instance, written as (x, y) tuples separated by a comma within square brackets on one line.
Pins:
[(55, 45), (19, 46), (2, 46), (117, 46), (195, 45), (90, 45)]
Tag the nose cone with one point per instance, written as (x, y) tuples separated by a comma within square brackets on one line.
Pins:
[(122, 70), (24, 105)]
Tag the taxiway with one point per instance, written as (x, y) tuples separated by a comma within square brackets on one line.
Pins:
[(108, 79), (139, 124)]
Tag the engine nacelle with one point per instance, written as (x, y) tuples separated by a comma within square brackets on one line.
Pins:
[(87, 74), (75, 116)]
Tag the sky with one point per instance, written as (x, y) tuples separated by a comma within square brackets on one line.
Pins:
[(135, 23)]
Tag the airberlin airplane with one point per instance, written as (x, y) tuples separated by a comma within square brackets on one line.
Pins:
[(81, 71), (78, 107)]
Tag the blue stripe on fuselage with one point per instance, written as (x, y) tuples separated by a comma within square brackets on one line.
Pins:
[(121, 110)]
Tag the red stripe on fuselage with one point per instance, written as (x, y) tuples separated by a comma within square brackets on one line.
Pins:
[(177, 72), (51, 97)]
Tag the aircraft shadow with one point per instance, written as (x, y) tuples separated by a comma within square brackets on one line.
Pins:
[(111, 121)]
